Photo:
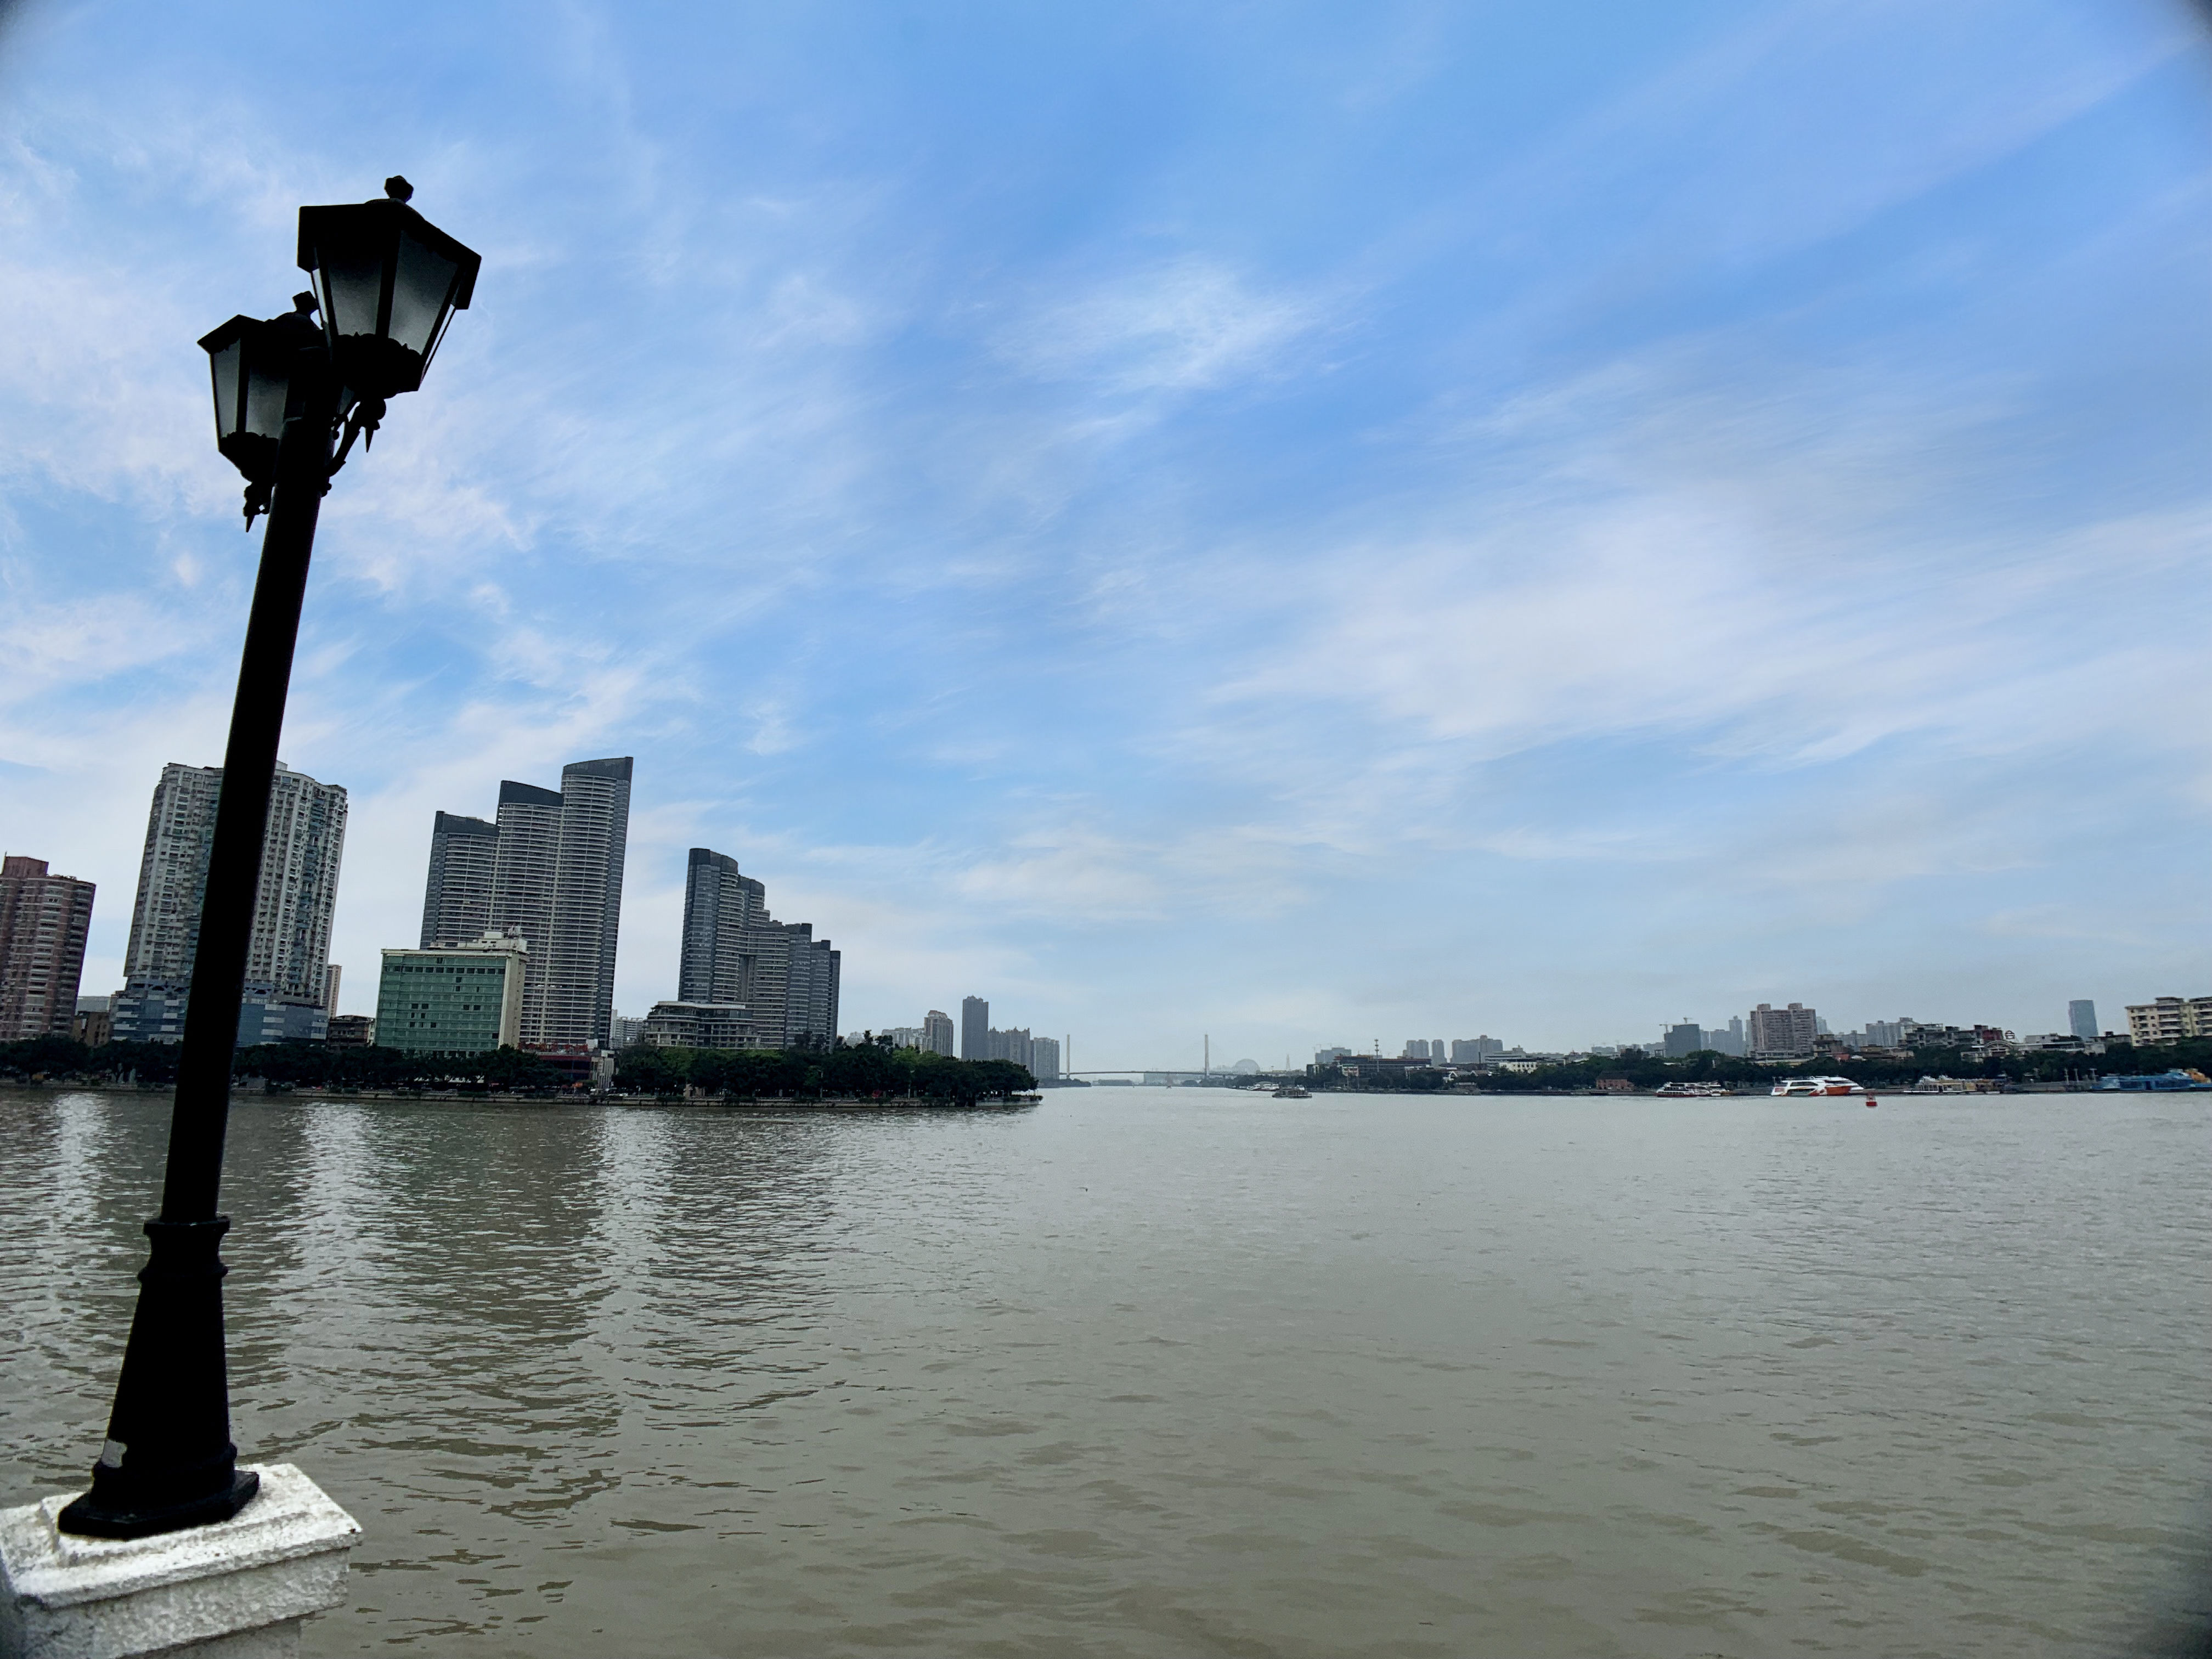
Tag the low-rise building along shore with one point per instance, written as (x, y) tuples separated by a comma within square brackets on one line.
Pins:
[(461, 998), (2169, 1020)]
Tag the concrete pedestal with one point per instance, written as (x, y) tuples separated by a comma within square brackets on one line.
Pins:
[(238, 1590)]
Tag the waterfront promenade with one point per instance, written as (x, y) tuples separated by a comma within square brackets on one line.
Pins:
[(1153, 1372)]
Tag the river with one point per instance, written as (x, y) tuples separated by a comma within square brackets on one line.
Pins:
[(1186, 1372)]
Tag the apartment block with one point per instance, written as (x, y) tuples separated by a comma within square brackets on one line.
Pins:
[(702, 1025), (95, 1020), (735, 954), (464, 866), (937, 1034), (2169, 1020), (288, 951), (44, 922), (1773, 1033)]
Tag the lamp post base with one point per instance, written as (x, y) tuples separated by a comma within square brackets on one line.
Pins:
[(237, 1588), (126, 1517)]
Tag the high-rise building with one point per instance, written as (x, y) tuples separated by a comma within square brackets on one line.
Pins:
[(523, 865), (44, 922), (811, 988), (1044, 1057), (937, 1032), (1416, 1048), (2082, 1019), (734, 954), (1016, 1045), (547, 872), (1782, 1033), (578, 989), (1473, 1051), (456, 1000), (290, 945), (974, 1029), (464, 862), (1684, 1039), (721, 909)]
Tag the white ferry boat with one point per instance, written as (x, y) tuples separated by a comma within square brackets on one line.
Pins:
[(1691, 1091), (1816, 1085)]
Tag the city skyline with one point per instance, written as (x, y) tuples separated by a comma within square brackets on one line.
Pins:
[(466, 900), (1371, 532)]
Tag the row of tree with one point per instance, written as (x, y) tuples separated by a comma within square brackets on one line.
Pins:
[(1649, 1071), (861, 1072)]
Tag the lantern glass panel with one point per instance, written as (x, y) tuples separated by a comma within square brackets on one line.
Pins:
[(348, 286), (422, 287), (224, 361), (268, 388)]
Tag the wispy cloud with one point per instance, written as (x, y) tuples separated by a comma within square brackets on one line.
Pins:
[(1189, 326)]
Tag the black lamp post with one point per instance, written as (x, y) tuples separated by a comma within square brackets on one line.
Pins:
[(387, 282)]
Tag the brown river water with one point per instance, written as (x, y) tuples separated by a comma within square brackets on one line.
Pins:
[(1187, 1372)]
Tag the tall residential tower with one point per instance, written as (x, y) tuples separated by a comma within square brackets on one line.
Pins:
[(457, 899), (43, 919), (290, 946), (745, 979)]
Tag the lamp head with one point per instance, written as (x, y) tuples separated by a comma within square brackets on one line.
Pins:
[(387, 282)]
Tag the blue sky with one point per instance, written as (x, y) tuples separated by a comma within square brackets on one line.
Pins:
[(1303, 524)]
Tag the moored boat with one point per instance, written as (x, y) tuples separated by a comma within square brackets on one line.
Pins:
[(1291, 1092), (1816, 1085), (1691, 1090)]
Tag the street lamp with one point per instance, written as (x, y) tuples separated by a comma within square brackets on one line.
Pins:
[(387, 283)]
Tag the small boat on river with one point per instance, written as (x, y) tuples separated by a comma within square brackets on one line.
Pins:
[(1291, 1092)]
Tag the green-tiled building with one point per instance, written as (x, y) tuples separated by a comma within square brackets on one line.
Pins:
[(457, 999)]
